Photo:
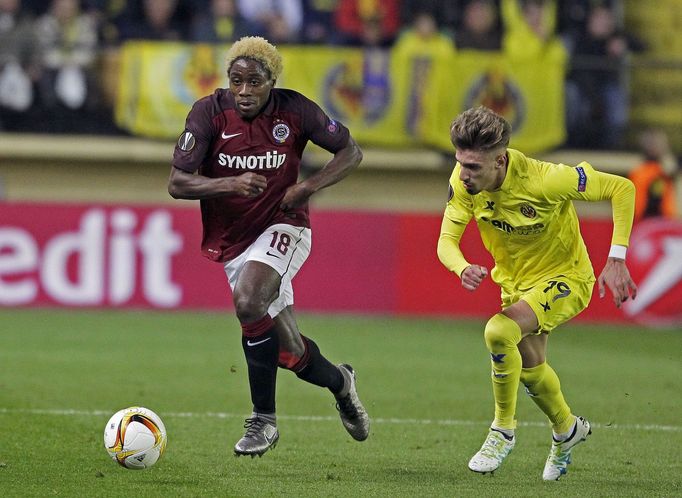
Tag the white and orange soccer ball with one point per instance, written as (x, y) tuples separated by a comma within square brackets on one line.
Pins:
[(135, 438)]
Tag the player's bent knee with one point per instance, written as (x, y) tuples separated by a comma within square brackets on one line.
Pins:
[(249, 308), (501, 332)]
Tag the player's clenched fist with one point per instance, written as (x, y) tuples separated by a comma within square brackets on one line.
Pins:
[(472, 276), (295, 196), (249, 184)]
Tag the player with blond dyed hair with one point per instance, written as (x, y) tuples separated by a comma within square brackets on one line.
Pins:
[(524, 211), (259, 49), (240, 154)]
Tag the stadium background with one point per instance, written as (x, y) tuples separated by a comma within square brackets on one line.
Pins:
[(105, 302), (394, 201)]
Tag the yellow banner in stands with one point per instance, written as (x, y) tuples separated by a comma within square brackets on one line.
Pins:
[(529, 93), (159, 82), (353, 86), (388, 99)]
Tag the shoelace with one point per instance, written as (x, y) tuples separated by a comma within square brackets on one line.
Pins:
[(559, 458), (346, 406), (491, 448), (253, 426)]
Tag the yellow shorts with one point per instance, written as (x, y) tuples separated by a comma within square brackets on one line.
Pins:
[(555, 300)]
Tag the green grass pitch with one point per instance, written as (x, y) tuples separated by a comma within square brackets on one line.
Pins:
[(424, 382)]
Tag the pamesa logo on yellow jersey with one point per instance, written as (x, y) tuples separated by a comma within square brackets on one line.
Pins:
[(505, 226)]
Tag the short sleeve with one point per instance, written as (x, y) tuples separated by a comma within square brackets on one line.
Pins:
[(194, 142), (322, 130)]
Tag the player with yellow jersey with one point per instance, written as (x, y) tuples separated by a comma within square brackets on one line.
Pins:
[(524, 211)]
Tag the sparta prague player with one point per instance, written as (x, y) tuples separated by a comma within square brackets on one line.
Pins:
[(240, 155)]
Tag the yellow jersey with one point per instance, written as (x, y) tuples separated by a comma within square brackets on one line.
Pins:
[(529, 225)]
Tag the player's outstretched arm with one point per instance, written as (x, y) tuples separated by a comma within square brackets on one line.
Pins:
[(616, 277), (184, 185), (343, 162)]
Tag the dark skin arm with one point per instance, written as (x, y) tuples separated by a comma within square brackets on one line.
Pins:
[(343, 162), (184, 185)]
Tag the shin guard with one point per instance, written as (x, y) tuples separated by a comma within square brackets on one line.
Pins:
[(261, 349), (502, 335), (543, 386)]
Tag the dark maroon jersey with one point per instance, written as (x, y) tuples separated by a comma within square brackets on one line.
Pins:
[(217, 142)]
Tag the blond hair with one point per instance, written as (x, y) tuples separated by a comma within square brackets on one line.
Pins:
[(258, 49), (480, 129)]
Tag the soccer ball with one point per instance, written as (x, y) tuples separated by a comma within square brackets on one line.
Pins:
[(135, 437)]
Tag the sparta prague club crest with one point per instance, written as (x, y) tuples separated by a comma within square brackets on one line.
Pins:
[(280, 132)]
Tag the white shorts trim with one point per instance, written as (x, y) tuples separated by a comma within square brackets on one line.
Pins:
[(282, 247)]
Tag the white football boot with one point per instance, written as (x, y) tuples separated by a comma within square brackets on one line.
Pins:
[(494, 450), (560, 454)]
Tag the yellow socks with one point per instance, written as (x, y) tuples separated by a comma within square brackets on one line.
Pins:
[(542, 384), (502, 335)]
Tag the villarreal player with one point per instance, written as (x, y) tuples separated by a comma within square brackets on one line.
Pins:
[(524, 211)]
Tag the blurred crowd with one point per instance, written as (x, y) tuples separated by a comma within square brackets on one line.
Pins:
[(49, 64)]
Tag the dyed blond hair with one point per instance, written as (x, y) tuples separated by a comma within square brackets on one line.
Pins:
[(480, 129), (258, 49)]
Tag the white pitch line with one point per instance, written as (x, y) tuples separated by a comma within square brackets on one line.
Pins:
[(313, 418)]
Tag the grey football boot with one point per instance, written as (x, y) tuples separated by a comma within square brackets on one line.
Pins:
[(353, 415), (259, 437)]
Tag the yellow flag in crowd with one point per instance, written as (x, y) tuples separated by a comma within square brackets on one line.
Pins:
[(404, 97)]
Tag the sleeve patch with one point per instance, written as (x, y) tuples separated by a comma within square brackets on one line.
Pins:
[(332, 127), (582, 179), (186, 141)]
